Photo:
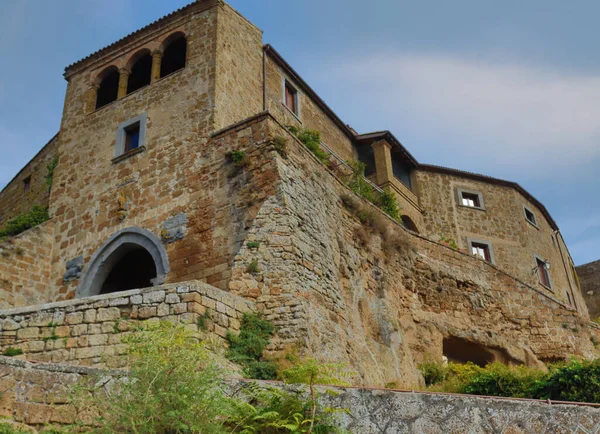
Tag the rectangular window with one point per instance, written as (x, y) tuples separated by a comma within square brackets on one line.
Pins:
[(26, 184), (569, 298), (530, 216), (469, 198), (291, 97), (542, 271), (132, 137), (481, 250)]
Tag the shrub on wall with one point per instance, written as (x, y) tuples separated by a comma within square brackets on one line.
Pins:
[(36, 216), (246, 348), (312, 140), (575, 380), (175, 385)]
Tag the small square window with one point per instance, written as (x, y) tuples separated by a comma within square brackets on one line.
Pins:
[(290, 97), (471, 199), (132, 137), (26, 184), (482, 250), (530, 216), (542, 272)]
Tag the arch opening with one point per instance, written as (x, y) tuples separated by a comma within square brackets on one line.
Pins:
[(108, 88), (460, 350), (131, 258), (409, 223), (133, 269), (141, 73), (174, 54)]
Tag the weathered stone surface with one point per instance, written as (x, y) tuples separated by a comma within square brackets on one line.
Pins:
[(91, 329), (589, 277), (40, 395)]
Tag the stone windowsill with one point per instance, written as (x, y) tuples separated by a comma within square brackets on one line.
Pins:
[(128, 154)]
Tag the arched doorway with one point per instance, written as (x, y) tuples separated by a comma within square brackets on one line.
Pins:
[(131, 258)]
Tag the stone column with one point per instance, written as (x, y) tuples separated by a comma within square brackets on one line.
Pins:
[(156, 60), (91, 97), (383, 162), (123, 79)]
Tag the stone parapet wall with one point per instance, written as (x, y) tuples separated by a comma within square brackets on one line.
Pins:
[(90, 331), (25, 266), (38, 394)]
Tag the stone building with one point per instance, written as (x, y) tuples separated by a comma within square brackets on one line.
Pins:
[(147, 192), (589, 276)]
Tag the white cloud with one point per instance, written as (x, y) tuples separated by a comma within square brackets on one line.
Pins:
[(508, 113)]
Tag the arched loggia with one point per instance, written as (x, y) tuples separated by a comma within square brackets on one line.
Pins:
[(131, 258)]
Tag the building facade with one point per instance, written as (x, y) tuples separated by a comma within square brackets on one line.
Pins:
[(148, 191)]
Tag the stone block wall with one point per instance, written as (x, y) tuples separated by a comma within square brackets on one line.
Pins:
[(589, 278), (90, 331), (384, 299), (38, 394), (502, 224), (15, 198), (25, 266)]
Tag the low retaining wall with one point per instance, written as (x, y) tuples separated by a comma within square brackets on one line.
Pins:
[(89, 331), (37, 394)]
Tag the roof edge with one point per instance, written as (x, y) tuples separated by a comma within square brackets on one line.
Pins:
[(392, 139), (98, 54), (27, 164), (268, 49), (492, 180)]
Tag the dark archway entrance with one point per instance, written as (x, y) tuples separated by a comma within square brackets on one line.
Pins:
[(134, 269), (130, 259)]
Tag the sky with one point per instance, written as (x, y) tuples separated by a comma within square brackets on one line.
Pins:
[(509, 89)]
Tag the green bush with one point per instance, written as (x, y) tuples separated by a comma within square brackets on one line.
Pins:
[(8, 428), (11, 352), (388, 204), (573, 381), (238, 158), (568, 381), (433, 372), (357, 182), (174, 386), (312, 140), (247, 347), (36, 216), (498, 379), (50, 175)]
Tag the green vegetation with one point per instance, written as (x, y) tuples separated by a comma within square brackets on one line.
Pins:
[(8, 428), (175, 385), (36, 216), (312, 140), (280, 145), (247, 347), (50, 175), (253, 244), (450, 242), (11, 352), (253, 267), (386, 201), (575, 380), (202, 321)]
